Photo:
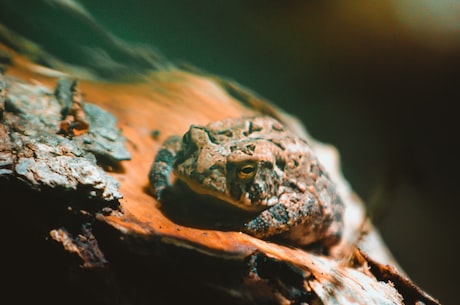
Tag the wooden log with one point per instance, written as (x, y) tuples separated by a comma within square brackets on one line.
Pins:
[(124, 248)]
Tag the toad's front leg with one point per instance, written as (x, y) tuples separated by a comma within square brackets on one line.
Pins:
[(160, 171), (301, 220)]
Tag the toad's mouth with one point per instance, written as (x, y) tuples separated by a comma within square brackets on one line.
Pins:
[(223, 196)]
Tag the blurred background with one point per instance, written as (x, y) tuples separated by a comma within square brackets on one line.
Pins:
[(377, 79)]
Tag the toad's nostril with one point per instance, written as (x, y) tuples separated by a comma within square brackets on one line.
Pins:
[(217, 167)]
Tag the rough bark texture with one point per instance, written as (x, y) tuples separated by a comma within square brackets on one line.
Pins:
[(83, 227)]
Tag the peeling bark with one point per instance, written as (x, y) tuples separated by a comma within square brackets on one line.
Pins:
[(34, 152)]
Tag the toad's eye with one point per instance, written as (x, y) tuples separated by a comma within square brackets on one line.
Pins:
[(247, 171)]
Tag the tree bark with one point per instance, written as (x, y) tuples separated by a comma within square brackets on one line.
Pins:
[(82, 225)]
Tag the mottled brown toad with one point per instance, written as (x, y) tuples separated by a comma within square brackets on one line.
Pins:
[(258, 166)]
